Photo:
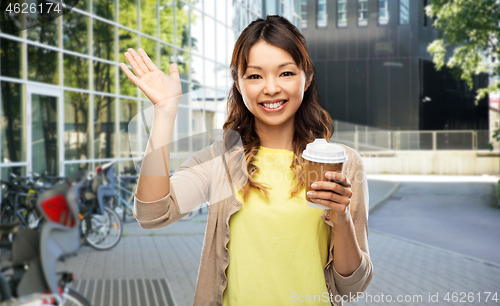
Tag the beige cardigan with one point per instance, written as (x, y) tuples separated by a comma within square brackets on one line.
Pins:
[(197, 181)]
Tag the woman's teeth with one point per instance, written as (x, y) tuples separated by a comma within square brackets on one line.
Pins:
[(273, 105)]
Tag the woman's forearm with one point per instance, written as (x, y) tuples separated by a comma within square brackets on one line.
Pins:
[(347, 255), (151, 186)]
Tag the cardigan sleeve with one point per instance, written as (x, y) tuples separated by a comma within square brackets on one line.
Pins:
[(359, 280), (189, 188)]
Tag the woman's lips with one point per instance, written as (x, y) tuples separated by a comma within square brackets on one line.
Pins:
[(274, 110)]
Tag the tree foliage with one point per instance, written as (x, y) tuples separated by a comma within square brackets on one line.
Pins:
[(471, 28)]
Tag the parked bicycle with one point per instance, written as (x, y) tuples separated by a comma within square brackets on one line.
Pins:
[(101, 227), (30, 278), (124, 196), (18, 202)]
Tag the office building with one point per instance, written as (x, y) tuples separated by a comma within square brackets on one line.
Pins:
[(66, 104), (373, 67)]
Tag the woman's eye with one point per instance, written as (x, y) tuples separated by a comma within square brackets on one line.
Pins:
[(253, 76), (288, 73)]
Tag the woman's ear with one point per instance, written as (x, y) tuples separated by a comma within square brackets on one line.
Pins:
[(308, 82), (238, 85)]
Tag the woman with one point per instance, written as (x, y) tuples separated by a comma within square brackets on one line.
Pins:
[(281, 249)]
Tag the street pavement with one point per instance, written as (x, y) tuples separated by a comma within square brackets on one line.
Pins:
[(457, 215), (411, 265), (435, 242), (380, 190)]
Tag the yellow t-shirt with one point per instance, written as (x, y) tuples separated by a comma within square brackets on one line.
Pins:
[(278, 249)]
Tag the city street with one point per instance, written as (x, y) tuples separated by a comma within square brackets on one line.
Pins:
[(455, 253), (135, 91), (436, 237), (456, 215)]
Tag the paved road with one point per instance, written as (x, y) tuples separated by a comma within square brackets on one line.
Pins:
[(414, 274), (457, 216), (462, 217)]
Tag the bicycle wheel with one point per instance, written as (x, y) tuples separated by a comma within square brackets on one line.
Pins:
[(191, 215), (104, 231), (123, 207), (74, 298)]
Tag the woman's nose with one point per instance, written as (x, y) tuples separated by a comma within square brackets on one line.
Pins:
[(271, 87)]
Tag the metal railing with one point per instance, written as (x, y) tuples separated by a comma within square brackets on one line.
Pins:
[(365, 138)]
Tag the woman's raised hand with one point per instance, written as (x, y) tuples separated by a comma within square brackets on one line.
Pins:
[(157, 86)]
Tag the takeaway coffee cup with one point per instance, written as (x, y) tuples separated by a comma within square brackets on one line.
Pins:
[(321, 156)]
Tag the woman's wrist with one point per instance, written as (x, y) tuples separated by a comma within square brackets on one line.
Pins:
[(341, 219), (168, 105), (164, 116)]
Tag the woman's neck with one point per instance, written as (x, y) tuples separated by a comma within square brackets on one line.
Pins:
[(276, 136)]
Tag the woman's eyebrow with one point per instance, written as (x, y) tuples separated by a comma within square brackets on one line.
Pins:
[(281, 65)]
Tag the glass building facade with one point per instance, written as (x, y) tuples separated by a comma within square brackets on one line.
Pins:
[(373, 68), (65, 102)]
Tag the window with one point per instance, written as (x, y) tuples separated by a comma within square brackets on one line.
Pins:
[(341, 13), (383, 12), (303, 13), (362, 13), (321, 18), (270, 7), (425, 15), (404, 11)]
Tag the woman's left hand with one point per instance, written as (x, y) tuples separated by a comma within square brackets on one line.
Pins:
[(335, 193)]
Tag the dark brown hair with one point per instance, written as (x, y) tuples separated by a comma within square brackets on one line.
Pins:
[(311, 119)]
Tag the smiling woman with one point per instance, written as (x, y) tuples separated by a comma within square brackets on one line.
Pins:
[(278, 245), (271, 65)]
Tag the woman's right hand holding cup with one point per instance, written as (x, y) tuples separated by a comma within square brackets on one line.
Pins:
[(158, 87)]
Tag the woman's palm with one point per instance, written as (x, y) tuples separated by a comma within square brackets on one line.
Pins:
[(155, 84)]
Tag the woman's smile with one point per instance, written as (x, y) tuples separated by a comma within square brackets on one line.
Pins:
[(273, 106)]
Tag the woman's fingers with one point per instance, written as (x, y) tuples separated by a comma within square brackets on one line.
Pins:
[(330, 197), (338, 178), (174, 72), (332, 186), (143, 69), (129, 74), (333, 205), (135, 66), (149, 63)]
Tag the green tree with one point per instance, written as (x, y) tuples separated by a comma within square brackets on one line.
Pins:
[(470, 30)]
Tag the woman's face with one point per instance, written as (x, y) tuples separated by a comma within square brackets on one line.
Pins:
[(271, 78)]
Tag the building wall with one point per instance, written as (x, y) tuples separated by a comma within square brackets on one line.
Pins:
[(372, 75), (88, 101), (367, 74), (448, 104), (453, 162)]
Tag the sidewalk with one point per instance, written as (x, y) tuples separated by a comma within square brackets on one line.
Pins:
[(416, 271), (382, 186), (380, 190), (171, 256), (401, 267)]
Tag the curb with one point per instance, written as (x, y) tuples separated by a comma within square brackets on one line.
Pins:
[(494, 264), (497, 193), (384, 199)]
